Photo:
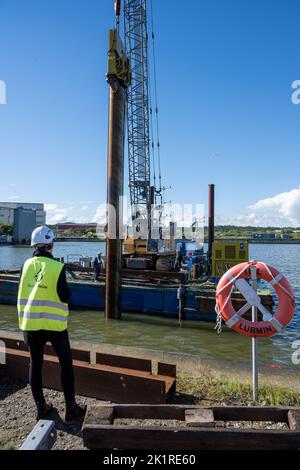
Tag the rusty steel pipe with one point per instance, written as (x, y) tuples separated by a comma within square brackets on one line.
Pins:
[(115, 179), (211, 222)]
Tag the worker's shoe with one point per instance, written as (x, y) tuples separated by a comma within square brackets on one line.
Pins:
[(43, 410), (74, 412)]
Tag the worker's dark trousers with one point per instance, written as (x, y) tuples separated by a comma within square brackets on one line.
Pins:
[(97, 273), (60, 342)]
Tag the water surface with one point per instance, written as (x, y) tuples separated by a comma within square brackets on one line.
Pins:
[(197, 338)]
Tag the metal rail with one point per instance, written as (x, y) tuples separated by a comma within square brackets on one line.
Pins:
[(42, 437)]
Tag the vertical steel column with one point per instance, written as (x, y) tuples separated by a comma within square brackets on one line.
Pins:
[(115, 179), (211, 221), (254, 340)]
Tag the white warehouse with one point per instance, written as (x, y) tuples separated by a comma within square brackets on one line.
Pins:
[(7, 211)]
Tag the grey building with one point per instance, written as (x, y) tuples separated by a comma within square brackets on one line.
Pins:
[(25, 221), (6, 215), (7, 211)]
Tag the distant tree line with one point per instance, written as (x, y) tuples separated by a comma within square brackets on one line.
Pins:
[(76, 233), (234, 231)]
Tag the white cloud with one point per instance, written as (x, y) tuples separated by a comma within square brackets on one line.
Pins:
[(57, 214), (100, 216), (57, 217), (283, 209), (13, 198), (50, 207), (285, 205), (84, 208), (83, 219)]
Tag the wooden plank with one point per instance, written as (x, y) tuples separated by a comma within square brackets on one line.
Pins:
[(200, 417), (162, 438), (151, 411), (100, 415), (124, 361), (250, 413), (294, 419), (221, 413)]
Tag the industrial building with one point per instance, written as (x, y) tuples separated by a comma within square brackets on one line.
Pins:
[(24, 224), (7, 211), (73, 226), (24, 217)]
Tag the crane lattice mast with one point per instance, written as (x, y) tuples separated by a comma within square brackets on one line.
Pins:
[(136, 44)]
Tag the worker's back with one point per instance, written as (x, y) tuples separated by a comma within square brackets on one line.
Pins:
[(39, 305)]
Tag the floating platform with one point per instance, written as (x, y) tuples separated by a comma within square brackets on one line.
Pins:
[(142, 296)]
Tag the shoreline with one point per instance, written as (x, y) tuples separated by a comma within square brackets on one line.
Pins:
[(193, 365), (250, 241)]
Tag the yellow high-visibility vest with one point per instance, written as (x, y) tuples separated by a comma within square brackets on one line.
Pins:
[(39, 307)]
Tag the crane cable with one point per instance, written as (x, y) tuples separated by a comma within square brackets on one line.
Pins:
[(155, 93), (152, 131)]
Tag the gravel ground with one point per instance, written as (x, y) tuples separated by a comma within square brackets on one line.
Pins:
[(218, 424), (17, 416)]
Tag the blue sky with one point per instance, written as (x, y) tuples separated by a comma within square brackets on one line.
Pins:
[(225, 70)]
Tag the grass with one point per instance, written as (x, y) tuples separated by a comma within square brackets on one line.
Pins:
[(216, 389)]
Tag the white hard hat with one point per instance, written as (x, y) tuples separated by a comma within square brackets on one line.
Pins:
[(42, 236)]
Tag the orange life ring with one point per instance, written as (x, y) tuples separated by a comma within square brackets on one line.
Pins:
[(271, 324)]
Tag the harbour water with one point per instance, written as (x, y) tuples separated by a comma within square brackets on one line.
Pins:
[(196, 338)]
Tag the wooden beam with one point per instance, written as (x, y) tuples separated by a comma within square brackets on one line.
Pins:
[(250, 413), (221, 413), (161, 438), (151, 411)]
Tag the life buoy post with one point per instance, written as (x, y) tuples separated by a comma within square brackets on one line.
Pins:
[(237, 278)]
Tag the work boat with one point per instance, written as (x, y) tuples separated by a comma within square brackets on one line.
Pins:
[(179, 295)]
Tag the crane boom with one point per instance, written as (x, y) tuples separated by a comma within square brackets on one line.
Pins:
[(136, 45)]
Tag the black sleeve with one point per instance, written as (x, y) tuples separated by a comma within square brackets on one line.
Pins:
[(63, 290), (21, 271)]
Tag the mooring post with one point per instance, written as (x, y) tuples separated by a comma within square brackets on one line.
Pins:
[(254, 340), (211, 223), (118, 78), (115, 177)]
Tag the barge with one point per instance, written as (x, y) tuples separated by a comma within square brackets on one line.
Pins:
[(162, 297)]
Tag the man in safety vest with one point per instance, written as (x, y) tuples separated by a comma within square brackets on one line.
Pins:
[(43, 316)]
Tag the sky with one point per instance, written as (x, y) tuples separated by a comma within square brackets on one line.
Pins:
[(225, 70)]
